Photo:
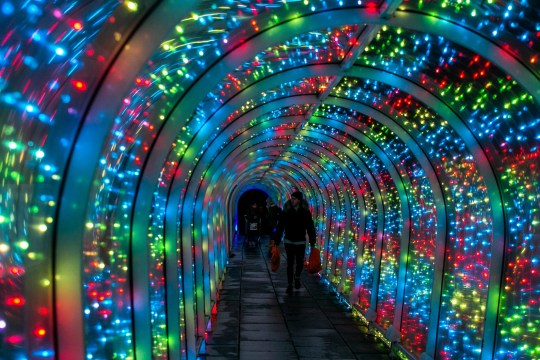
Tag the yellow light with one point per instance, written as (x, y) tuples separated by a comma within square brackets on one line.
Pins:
[(133, 6), (4, 248)]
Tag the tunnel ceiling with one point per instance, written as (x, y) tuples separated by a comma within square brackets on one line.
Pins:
[(130, 110)]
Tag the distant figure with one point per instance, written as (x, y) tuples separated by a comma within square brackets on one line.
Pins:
[(295, 222), (253, 221), (272, 219), (273, 216)]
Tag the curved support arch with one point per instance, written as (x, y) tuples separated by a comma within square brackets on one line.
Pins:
[(269, 136), (352, 180), (78, 182), (313, 179), (488, 174), (473, 41), (459, 126), (209, 78), (438, 196), (187, 243), (330, 211), (341, 207), (405, 213), (267, 107)]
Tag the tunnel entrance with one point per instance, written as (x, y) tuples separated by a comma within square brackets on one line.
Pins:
[(244, 203)]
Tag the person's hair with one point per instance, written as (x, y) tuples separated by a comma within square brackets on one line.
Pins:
[(298, 195)]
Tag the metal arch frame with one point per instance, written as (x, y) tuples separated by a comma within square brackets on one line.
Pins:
[(329, 210), (438, 197), (352, 180), (493, 190), (78, 182), (383, 81), (341, 207), (258, 111), (75, 193), (472, 145), (200, 221), (391, 22), (187, 243), (405, 230), (405, 237), (471, 40), (216, 115), (269, 135)]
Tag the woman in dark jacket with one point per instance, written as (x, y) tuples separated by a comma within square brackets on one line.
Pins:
[(295, 222)]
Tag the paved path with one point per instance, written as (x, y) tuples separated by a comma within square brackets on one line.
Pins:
[(257, 320)]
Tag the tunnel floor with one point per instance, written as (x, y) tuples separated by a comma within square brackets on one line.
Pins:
[(257, 319)]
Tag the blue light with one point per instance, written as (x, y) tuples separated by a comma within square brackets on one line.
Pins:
[(7, 8)]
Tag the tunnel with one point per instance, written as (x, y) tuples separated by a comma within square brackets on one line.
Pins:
[(132, 128)]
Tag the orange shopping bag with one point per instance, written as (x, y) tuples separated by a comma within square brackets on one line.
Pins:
[(276, 257), (314, 264)]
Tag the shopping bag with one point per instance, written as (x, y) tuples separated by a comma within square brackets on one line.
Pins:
[(276, 257), (314, 264)]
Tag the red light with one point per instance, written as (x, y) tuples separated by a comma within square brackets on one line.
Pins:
[(76, 25), (79, 85), (40, 332), (15, 301), (15, 339), (43, 311), (16, 270)]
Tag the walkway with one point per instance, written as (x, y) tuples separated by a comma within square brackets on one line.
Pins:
[(257, 319)]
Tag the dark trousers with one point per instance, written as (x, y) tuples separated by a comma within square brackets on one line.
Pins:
[(295, 253)]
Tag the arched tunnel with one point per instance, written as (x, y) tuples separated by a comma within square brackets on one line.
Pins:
[(130, 130)]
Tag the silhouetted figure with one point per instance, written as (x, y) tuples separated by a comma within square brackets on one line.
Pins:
[(295, 222), (253, 221), (272, 219)]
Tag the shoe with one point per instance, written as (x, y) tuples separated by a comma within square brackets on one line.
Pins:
[(297, 284), (289, 289)]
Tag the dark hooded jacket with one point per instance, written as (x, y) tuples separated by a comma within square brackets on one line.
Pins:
[(295, 223)]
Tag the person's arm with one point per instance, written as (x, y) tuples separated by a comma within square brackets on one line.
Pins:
[(310, 227)]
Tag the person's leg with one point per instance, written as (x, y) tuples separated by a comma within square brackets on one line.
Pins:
[(290, 251), (300, 251), (252, 238)]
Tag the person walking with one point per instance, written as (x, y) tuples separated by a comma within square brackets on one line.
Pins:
[(253, 221), (295, 222), (272, 219)]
